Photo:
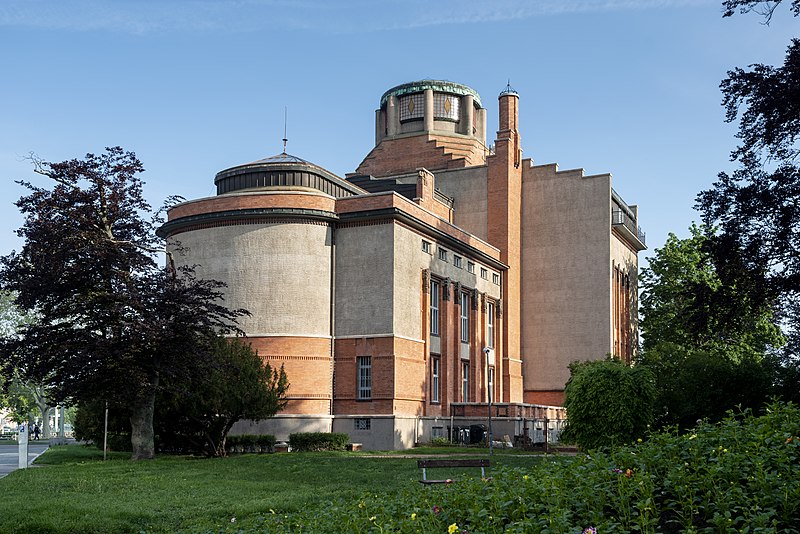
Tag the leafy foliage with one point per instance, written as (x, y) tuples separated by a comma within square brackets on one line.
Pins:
[(195, 415), (250, 443), (698, 384), (757, 207), (680, 289), (608, 403), (89, 424), (737, 476), (709, 345), (234, 384), (318, 441), (110, 323)]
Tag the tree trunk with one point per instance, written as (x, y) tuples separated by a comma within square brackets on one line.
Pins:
[(142, 434), (46, 434)]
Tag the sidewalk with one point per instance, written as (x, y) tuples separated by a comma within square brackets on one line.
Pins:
[(9, 455)]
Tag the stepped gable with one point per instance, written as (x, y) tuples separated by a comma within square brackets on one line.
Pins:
[(433, 152)]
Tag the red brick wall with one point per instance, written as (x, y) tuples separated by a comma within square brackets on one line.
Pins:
[(251, 201), (307, 363), (405, 154), (548, 398), (398, 375)]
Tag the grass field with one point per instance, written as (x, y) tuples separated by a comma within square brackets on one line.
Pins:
[(70, 488)]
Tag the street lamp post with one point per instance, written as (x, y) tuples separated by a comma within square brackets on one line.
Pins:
[(489, 384)]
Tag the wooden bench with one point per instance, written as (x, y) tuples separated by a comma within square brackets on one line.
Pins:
[(483, 463)]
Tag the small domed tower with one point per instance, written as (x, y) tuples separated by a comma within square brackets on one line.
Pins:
[(429, 123)]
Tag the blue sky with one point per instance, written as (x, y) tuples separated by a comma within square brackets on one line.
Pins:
[(196, 86)]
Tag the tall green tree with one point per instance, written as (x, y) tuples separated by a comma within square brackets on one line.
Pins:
[(680, 289), (110, 321), (756, 208), (706, 359)]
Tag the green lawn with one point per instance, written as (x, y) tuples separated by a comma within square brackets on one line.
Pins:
[(71, 489)]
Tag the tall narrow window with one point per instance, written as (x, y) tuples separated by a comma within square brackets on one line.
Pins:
[(434, 308), (364, 377), (490, 392), (465, 382), (435, 379), (490, 324), (464, 318)]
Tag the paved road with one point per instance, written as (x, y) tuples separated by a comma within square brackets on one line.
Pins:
[(9, 455)]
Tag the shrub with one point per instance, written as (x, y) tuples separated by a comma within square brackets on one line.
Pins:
[(608, 403), (89, 425), (440, 442), (250, 443), (318, 441)]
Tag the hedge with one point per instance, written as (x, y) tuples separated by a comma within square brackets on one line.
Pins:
[(318, 441), (250, 443)]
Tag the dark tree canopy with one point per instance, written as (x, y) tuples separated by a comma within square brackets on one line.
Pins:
[(756, 208), (235, 384), (685, 303), (110, 322)]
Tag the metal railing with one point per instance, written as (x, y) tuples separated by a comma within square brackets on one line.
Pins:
[(619, 217)]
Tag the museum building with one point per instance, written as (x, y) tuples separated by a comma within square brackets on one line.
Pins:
[(443, 274)]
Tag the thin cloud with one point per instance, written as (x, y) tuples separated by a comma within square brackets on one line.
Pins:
[(331, 16)]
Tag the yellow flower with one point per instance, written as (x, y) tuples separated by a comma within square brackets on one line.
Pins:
[(414, 516), (452, 529), (361, 504), (372, 518), (524, 477), (639, 440)]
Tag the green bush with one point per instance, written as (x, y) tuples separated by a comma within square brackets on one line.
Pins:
[(441, 442), (318, 441), (250, 443), (741, 475), (89, 425), (608, 403)]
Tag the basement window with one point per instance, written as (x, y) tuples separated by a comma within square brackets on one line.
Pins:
[(362, 424)]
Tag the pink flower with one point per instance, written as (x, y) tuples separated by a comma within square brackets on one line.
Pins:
[(437, 510)]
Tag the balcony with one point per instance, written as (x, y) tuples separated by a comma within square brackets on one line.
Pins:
[(628, 228)]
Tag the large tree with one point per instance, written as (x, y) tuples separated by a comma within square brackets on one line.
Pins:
[(709, 345), (111, 322), (756, 208), (236, 384), (679, 305)]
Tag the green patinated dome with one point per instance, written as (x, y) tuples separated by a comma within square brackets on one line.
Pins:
[(439, 86)]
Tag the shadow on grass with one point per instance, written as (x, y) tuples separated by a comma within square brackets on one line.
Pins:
[(71, 454)]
